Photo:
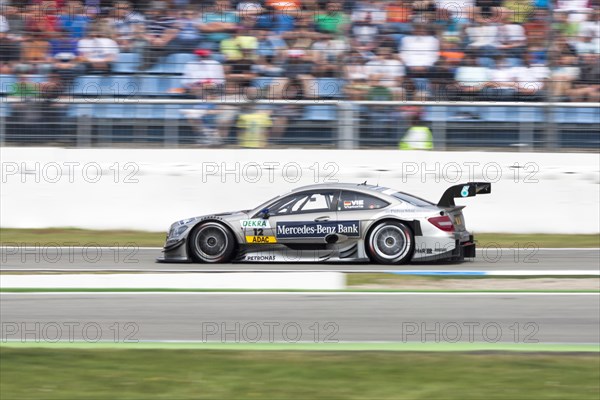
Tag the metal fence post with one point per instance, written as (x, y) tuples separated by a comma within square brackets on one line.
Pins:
[(171, 133), (439, 130), (3, 104), (84, 131), (525, 131), (347, 139)]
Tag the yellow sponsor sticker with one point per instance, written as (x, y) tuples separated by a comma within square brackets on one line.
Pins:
[(261, 239)]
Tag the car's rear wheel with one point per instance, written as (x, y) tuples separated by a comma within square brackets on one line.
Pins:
[(391, 242), (211, 242)]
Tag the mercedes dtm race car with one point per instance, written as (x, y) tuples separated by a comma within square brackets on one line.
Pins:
[(331, 222)]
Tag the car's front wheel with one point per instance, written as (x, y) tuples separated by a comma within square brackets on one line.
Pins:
[(390, 242), (211, 242)]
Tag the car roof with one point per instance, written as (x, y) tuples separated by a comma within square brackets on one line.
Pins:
[(384, 193), (359, 187)]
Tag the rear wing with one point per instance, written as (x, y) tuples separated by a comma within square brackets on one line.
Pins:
[(463, 190)]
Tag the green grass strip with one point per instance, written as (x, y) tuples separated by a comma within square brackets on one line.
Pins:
[(128, 374)]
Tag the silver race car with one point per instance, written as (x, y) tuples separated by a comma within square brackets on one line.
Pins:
[(331, 223)]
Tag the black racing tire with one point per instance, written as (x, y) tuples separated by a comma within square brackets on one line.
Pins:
[(390, 242), (211, 242)]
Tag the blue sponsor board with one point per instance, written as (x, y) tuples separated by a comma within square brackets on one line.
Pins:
[(310, 229)]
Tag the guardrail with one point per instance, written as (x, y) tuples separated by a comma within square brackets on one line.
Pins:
[(140, 122)]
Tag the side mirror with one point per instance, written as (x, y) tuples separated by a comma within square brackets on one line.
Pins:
[(265, 213)]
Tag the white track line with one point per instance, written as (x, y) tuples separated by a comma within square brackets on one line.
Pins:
[(432, 272), (307, 293)]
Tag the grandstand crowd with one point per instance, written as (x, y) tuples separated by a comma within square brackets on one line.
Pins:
[(362, 50)]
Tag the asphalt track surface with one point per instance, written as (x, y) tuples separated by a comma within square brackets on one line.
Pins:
[(305, 317), (143, 259)]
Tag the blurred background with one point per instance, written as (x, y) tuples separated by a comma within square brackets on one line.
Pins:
[(346, 74)]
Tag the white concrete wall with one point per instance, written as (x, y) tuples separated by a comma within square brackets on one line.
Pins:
[(55, 187)]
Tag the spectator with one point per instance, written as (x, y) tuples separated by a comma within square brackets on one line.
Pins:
[(253, 126), (284, 5), (35, 52), (487, 11), (483, 39), (369, 11), (470, 79), (330, 48), (586, 45), (332, 20), (42, 18), (74, 20), (219, 23), (249, 8), (399, 15), (419, 52), (451, 53), (53, 112), (188, 36), (518, 11), (562, 77), (418, 136), (511, 40), (378, 92), (591, 28), (445, 69), (239, 73), (26, 110), (98, 51), (24, 89), (501, 85), (234, 47), (139, 42), (452, 15), (66, 68), (13, 19), (530, 79), (587, 86), (10, 48), (388, 72), (299, 77), (356, 75), (125, 21), (203, 73), (203, 119), (269, 45), (262, 67), (537, 30), (160, 30), (366, 21), (61, 42), (575, 10)]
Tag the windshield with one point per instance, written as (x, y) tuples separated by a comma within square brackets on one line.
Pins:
[(415, 201), (265, 204)]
